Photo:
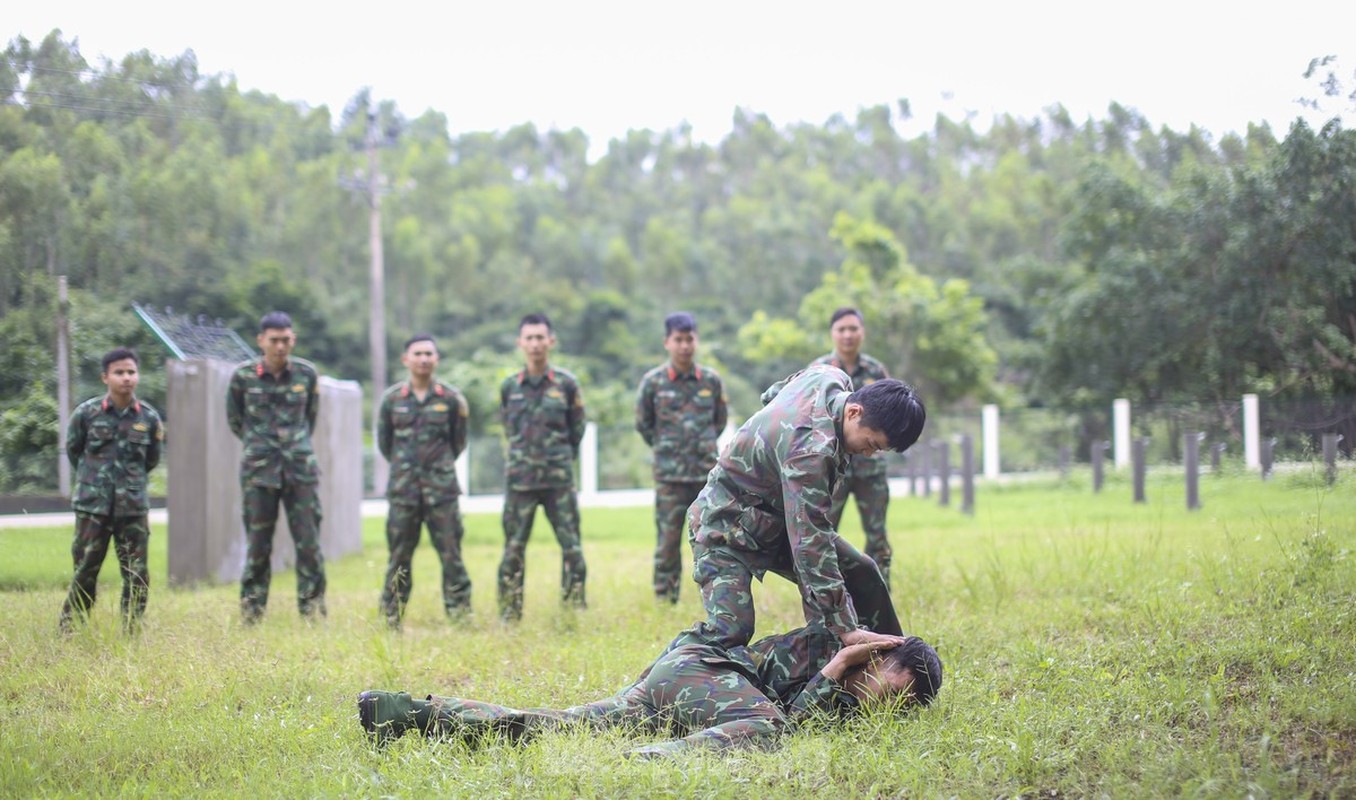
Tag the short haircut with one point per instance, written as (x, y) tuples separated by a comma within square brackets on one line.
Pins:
[(420, 337), (118, 354), (893, 408), (919, 658), (275, 320), (845, 311), (535, 319), (679, 321)]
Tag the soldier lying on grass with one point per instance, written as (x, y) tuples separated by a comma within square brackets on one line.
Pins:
[(710, 696)]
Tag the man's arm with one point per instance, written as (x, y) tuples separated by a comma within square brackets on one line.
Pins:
[(235, 406), (645, 412), (575, 417), (75, 439), (312, 403), (157, 438), (722, 411), (385, 428), (461, 423)]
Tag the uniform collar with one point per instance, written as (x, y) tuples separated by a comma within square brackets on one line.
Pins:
[(549, 375), (674, 374), (260, 369), (406, 390), (107, 404)]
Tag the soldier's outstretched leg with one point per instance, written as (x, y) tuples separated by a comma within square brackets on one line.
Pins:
[(520, 509), (131, 536), (259, 506), (867, 587), (402, 537), (303, 520), (445, 530), (386, 715), (88, 549), (562, 510)]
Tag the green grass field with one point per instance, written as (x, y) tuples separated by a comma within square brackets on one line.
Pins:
[(1093, 648)]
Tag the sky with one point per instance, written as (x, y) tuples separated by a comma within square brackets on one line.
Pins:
[(607, 67)]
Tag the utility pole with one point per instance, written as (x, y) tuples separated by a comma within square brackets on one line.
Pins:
[(63, 376), (377, 290)]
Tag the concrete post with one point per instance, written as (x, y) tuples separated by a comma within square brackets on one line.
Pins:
[(1267, 456), (1252, 436), (1330, 441), (1139, 455), (989, 424), (1097, 454), (943, 473), (1120, 432), (206, 531), (463, 467)]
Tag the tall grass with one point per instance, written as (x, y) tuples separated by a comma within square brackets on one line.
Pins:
[(1093, 647)]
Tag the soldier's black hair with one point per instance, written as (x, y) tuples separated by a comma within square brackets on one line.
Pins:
[(845, 311), (535, 319), (420, 337), (919, 658), (118, 354), (893, 408), (275, 320), (679, 321)]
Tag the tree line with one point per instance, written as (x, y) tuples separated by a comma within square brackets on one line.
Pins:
[(1050, 261)]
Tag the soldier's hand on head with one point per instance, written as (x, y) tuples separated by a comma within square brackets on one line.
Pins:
[(862, 635)]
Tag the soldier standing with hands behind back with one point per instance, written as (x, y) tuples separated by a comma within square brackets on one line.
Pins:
[(271, 406), (543, 411), (680, 411), (421, 429), (113, 442)]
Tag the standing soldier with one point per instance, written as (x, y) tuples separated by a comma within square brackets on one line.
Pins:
[(421, 430), (113, 442), (271, 407), (543, 414), (866, 478), (680, 411)]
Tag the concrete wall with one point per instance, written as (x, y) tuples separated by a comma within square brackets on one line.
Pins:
[(206, 532)]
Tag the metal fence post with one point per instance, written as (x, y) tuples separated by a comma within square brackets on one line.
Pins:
[(1191, 447), (1138, 452), (967, 445), (1097, 454), (943, 473)]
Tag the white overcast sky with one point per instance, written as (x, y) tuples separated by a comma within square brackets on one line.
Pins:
[(607, 66)]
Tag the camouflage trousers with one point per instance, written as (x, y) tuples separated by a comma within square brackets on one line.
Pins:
[(403, 525), (92, 533), (671, 501), (696, 692), (260, 505), (725, 578), (872, 494), (520, 511)]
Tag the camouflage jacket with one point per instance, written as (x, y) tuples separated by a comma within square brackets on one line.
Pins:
[(422, 439), (544, 422), (786, 667), (680, 415), (274, 419), (775, 485), (868, 371), (112, 452)]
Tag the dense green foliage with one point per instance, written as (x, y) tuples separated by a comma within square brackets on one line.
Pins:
[(1093, 648), (1046, 261)]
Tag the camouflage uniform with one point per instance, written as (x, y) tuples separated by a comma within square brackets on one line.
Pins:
[(712, 696), (866, 479), (679, 415), (422, 439), (274, 418), (544, 422), (765, 508), (112, 452)]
